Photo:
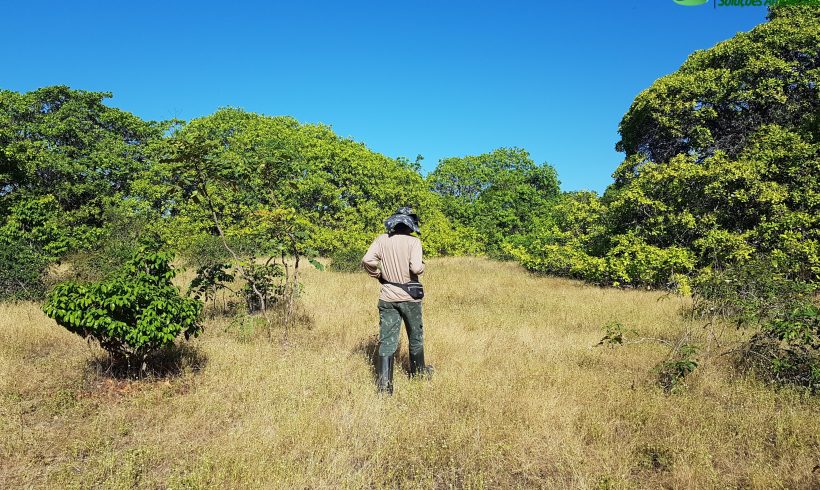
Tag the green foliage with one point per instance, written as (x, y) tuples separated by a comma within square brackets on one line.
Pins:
[(755, 292), (632, 261), (123, 234), (801, 326), (672, 372), (787, 349), (33, 235), (86, 183), (723, 155), (266, 285), (723, 95), (39, 222), (134, 312), (66, 158), (347, 259), (760, 294), (22, 270), (441, 236), (246, 164), (721, 166), (629, 261), (209, 280), (614, 334), (498, 194)]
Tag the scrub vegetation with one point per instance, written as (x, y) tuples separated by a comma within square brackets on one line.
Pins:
[(665, 333)]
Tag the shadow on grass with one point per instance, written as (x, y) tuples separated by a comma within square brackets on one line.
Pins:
[(369, 348), (168, 362)]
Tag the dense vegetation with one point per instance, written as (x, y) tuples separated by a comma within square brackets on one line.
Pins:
[(722, 164), (719, 183)]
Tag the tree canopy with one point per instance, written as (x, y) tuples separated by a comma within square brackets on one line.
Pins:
[(721, 166), (499, 194)]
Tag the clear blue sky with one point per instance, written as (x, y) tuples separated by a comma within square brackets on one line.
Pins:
[(437, 78)]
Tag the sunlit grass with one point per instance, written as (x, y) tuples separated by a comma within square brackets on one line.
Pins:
[(521, 398)]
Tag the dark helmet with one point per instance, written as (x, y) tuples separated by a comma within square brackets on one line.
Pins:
[(404, 215)]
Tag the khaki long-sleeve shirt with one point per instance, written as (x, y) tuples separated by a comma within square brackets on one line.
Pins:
[(399, 257)]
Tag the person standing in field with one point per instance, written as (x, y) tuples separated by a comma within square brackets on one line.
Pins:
[(395, 259)]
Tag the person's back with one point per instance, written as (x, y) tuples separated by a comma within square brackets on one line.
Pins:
[(400, 257), (396, 257)]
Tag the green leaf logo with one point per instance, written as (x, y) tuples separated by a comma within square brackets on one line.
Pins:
[(690, 3)]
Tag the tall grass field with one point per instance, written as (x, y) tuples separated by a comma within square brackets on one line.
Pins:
[(522, 397)]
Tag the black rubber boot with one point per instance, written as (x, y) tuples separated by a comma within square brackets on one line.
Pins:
[(384, 373), (418, 367)]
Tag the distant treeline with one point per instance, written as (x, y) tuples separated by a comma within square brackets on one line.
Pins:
[(721, 168)]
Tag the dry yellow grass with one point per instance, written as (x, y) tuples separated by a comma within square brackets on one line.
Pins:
[(520, 399)]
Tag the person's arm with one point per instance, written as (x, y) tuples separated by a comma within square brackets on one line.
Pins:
[(371, 259), (416, 264)]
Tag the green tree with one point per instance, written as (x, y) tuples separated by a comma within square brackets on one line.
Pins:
[(718, 194), (343, 189), (65, 160), (721, 165), (498, 194), (722, 156), (68, 144)]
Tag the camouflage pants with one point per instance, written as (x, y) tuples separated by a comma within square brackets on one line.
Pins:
[(390, 318)]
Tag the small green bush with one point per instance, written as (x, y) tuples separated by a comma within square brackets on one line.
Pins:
[(22, 271), (672, 372), (787, 349), (270, 283), (347, 259), (615, 334), (752, 292), (209, 279), (134, 312), (631, 262)]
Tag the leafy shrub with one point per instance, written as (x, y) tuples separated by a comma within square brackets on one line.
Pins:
[(209, 280), (33, 234), (787, 350), (441, 236), (631, 262), (133, 313), (672, 372), (269, 281), (751, 292), (348, 259), (22, 271), (759, 294), (614, 334), (562, 260)]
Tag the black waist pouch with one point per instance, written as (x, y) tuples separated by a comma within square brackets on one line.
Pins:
[(413, 288)]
